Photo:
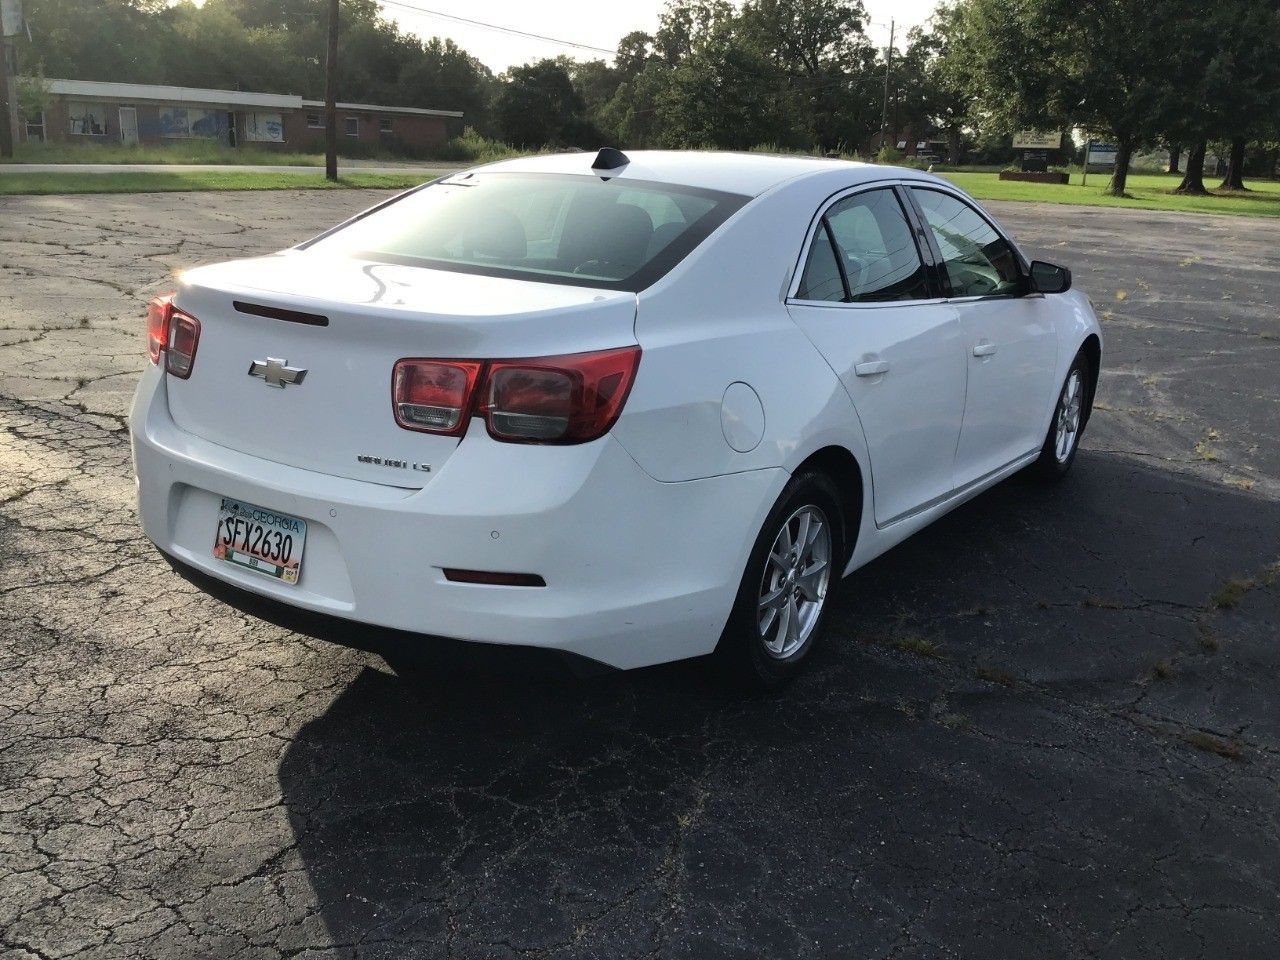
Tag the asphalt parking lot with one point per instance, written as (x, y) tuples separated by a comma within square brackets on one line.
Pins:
[(1048, 725)]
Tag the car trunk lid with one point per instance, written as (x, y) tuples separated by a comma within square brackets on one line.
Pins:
[(296, 353)]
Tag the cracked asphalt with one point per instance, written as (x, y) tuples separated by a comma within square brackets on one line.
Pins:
[(1046, 727)]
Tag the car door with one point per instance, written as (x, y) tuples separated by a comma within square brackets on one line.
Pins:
[(1010, 342), (866, 300)]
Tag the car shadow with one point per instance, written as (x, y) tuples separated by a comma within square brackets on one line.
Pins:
[(896, 797)]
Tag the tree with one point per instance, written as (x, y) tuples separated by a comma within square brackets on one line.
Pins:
[(536, 104), (819, 50), (1060, 63), (124, 40), (1227, 85), (935, 83)]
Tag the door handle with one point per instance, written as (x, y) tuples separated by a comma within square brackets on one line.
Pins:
[(984, 349), (871, 368)]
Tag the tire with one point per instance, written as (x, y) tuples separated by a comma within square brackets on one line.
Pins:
[(1070, 414), (757, 652)]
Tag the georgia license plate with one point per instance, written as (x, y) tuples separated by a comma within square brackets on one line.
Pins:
[(260, 539)]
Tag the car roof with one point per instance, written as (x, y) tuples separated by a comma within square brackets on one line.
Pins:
[(749, 174)]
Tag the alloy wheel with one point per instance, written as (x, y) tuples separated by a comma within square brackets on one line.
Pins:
[(794, 586), (1068, 417)]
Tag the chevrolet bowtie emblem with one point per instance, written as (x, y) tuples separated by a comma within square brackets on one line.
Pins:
[(277, 373)]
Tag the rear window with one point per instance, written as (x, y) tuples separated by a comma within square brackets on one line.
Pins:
[(580, 230)]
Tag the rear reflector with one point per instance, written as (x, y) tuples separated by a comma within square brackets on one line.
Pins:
[(433, 395), (496, 579)]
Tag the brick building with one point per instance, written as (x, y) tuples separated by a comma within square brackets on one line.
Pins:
[(90, 111)]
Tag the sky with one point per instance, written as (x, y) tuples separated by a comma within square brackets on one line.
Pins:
[(592, 23)]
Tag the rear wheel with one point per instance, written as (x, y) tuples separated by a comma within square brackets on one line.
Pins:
[(782, 603), (1067, 425)]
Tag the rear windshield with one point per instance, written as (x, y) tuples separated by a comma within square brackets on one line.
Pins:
[(582, 230)]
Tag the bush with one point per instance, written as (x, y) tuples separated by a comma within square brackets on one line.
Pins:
[(472, 147), (888, 155)]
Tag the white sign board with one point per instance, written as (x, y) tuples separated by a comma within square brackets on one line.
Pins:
[(1102, 155), (10, 17), (1037, 140)]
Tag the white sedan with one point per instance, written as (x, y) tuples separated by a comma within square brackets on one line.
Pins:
[(632, 408)]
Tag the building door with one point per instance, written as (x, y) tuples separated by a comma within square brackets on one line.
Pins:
[(129, 126), (231, 128)]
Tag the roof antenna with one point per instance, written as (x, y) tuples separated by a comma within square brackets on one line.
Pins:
[(609, 158)]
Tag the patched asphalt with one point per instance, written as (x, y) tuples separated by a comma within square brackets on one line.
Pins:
[(1048, 726)]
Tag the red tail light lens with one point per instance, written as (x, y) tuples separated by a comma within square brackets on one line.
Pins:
[(569, 399), (184, 337), (158, 311), (433, 395)]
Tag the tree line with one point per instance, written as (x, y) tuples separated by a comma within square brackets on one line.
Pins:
[(793, 74)]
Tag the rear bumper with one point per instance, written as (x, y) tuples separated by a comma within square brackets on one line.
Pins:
[(637, 571)]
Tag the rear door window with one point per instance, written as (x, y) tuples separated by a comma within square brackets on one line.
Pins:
[(877, 248), (864, 251)]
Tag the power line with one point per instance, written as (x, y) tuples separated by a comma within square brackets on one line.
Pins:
[(497, 27)]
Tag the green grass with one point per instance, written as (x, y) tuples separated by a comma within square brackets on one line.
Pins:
[(1146, 192), (186, 151), (468, 147), (167, 182)]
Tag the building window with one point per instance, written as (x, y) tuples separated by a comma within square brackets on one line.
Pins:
[(353, 126), (384, 124), (88, 119), (264, 127), (191, 122), (35, 129), (315, 121)]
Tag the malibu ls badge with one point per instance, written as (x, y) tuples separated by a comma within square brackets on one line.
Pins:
[(276, 372), (391, 462)]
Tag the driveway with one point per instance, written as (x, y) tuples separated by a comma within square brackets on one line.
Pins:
[(1046, 727)]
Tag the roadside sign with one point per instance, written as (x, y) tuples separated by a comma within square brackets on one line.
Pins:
[(1101, 154), (1037, 140)]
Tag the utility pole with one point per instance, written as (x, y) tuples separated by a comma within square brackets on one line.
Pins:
[(10, 26), (6, 100), (888, 65), (331, 97)]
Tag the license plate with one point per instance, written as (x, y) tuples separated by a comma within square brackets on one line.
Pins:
[(260, 539)]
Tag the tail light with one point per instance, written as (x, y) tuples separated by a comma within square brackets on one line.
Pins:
[(433, 395), (184, 337), (567, 399), (158, 311), (174, 333)]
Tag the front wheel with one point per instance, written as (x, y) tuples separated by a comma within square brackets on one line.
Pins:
[(780, 611), (1067, 425)]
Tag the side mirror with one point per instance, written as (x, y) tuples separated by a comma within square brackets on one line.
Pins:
[(1049, 278)]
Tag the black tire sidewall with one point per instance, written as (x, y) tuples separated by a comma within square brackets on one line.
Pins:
[(1049, 466), (741, 648)]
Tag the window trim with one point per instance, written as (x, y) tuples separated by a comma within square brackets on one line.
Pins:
[(909, 212), (385, 126), (319, 124), (944, 280), (346, 129)]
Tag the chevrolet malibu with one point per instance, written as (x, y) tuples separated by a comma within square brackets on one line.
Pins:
[(633, 408)]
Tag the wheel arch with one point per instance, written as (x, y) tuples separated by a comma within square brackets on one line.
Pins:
[(1092, 349), (846, 472)]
